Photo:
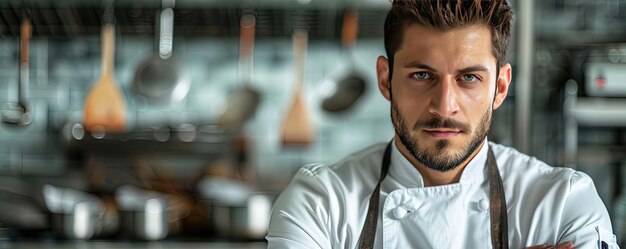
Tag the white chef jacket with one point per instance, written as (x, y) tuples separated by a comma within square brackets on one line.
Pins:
[(325, 206)]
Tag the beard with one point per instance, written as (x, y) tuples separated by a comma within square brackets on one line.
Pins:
[(440, 158)]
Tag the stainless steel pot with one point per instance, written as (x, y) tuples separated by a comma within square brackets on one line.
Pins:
[(75, 214), (80, 223), (247, 221), (144, 213), (148, 224), (234, 209)]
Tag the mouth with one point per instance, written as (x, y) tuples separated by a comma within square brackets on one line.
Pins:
[(442, 133)]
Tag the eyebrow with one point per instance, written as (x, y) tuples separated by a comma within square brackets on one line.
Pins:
[(474, 68), (419, 65)]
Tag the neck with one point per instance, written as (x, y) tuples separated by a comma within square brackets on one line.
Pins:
[(433, 177)]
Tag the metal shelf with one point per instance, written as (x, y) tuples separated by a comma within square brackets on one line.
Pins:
[(588, 111), (162, 141), (599, 112), (598, 155)]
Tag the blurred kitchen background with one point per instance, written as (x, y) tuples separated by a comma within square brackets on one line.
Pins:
[(213, 105)]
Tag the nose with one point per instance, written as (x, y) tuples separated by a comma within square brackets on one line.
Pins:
[(444, 101)]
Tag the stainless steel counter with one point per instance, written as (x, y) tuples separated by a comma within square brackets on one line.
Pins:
[(131, 245)]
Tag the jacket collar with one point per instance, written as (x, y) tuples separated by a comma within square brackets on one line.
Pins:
[(403, 171)]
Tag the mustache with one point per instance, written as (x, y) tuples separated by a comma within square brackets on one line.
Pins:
[(434, 123)]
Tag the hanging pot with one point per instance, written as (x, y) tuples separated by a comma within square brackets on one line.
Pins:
[(341, 90), (244, 101)]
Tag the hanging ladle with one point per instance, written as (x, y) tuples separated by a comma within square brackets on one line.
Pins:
[(160, 77), (19, 114)]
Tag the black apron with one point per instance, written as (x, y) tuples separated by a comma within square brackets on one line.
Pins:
[(497, 205)]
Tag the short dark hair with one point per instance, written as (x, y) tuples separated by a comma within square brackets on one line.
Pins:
[(447, 15)]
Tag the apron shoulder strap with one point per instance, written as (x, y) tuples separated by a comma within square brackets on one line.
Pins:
[(497, 205), (366, 239)]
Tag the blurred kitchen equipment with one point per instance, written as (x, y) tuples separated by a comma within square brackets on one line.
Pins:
[(619, 218), (144, 213), (605, 79), (104, 106), (161, 180), (235, 209), (243, 102), (224, 190), (160, 78), (341, 90), (19, 114), (241, 153), (297, 128), (78, 215), (19, 207), (21, 212)]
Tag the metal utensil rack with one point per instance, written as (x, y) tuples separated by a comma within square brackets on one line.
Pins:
[(193, 19)]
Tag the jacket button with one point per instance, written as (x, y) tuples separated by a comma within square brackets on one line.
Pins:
[(400, 212), (483, 205)]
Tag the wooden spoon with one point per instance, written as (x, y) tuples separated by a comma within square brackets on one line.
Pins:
[(105, 109), (297, 128)]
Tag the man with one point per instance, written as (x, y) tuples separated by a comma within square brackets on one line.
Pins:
[(440, 183)]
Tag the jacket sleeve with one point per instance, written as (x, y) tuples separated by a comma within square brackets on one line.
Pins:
[(584, 215), (299, 217)]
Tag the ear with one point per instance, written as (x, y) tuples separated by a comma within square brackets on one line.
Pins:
[(503, 82), (382, 72)]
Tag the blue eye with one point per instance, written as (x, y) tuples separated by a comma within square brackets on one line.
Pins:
[(421, 76), (470, 78)]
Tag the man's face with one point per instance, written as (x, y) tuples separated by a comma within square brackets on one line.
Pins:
[(442, 92)]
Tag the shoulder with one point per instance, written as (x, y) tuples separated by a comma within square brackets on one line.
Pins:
[(324, 185), (360, 166), (536, 191), (318, 193), (516, 166), (530, 179), (524, 175)]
